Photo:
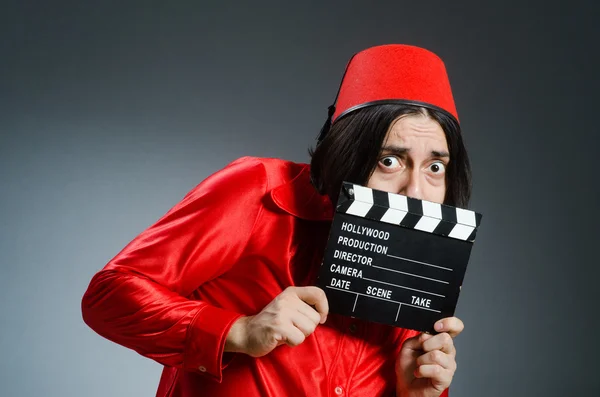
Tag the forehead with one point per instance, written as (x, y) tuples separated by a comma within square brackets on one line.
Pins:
[(417, 130)]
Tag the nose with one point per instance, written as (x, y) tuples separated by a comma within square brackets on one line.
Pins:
[(413, 186)]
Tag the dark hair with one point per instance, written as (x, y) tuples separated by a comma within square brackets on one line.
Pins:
[(351, 149)]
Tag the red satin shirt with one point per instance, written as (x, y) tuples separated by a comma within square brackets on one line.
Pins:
[(227, 249)]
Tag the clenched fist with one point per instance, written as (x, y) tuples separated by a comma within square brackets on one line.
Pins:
[(426, 364), (288, 319)]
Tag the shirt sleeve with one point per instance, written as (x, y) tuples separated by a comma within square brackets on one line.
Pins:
[(140, 298)]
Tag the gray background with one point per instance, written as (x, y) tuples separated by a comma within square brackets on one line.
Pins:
[(110, 113)]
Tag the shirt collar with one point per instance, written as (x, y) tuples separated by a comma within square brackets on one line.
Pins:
[(299, 198)]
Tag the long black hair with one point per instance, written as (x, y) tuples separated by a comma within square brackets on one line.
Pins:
[(351, 149)]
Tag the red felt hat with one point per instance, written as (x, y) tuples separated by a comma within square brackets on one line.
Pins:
[(393, 73)]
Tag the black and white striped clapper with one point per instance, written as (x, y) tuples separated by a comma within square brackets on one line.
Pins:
[(396, 260)]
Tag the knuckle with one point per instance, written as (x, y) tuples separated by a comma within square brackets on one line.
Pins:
[(446, 338), (289, 291), (315, 318), (285, 298), (296, 342), (436, 356), (276, 304), (321, 294), (280, 297)]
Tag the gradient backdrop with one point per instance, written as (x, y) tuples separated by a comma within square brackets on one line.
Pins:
[(110, 113)]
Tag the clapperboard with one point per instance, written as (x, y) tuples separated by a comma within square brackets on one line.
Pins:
[(396, 260)]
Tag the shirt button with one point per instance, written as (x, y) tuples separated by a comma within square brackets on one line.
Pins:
[(339, 391), (202, 369), (352, 328)]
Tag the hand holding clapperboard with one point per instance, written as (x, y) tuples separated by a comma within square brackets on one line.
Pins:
[(396, 260)]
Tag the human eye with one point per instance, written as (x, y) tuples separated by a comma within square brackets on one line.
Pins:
[(437, 168), (389, 162)]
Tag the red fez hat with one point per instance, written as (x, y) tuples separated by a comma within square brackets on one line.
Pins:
[(392, 73)]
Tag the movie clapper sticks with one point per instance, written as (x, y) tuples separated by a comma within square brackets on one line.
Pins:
[(396, 260)]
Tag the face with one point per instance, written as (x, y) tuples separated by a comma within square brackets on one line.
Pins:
[(414, 159)]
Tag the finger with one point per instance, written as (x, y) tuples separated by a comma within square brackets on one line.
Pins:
[(411, 349), (441, 342), (292, 336), (303, 323), (437, 357), (440, 377), (452, 325), (414, 344), (309, 312), (424, 337), (314, 296)]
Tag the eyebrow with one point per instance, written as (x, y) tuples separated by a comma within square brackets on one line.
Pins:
[(435, 153), (399, 150), (393, 149)]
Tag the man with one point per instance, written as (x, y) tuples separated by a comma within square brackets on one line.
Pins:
[(219, 289)]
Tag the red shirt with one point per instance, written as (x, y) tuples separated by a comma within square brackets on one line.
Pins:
[(227, 249)]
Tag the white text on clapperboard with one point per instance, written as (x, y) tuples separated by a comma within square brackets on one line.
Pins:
[(357, 258), (363, 260)]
